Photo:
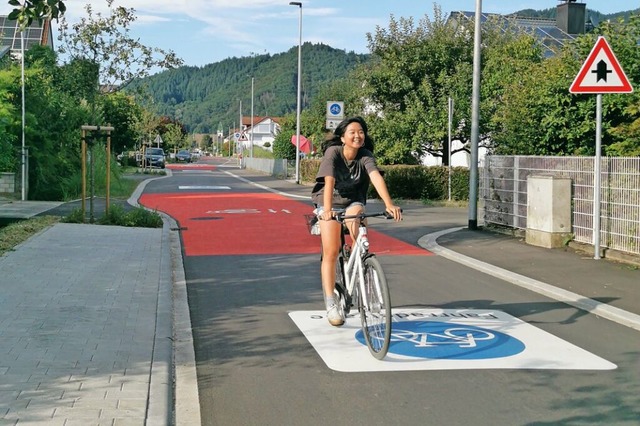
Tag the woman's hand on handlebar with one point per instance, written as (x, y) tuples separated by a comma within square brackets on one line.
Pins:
[(326, 215), (395, 212)]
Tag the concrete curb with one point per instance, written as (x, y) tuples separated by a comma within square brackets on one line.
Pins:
[(159, 409), (173, 313), (187, 399), (612, 313)]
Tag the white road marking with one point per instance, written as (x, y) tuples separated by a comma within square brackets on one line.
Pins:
[(475, 339), (205, 187)]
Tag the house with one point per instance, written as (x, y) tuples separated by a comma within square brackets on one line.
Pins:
[(264, 130), (552, 34), (35, 34)]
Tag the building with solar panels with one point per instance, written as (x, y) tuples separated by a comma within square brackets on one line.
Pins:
[(36, 34), (552, 33)]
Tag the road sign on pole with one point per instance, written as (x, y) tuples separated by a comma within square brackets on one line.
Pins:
[(335, 114), (335, 109), (601, 72), (332, 124)]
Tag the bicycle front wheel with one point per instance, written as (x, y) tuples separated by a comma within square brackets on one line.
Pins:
[(340, 290), (375, 308)]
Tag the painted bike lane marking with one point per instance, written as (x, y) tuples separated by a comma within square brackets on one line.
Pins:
[(252, 223), (445, 339)]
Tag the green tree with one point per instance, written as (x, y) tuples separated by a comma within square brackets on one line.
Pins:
[(122, 113), (282, 146), (313, 119), (538, 116), (415, 69), (52, 128), (9, 153), (28, 10), (174, 137), (145, 125), (624, 119), (105, 40)]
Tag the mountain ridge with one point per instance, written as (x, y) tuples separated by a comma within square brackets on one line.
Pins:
[(208, 98)]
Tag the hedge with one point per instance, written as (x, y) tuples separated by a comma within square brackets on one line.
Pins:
[(411, 182)]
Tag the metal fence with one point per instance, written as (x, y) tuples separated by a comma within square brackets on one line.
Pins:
[(503, 190)]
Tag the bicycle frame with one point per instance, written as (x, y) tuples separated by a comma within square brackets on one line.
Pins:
[(363, 270), (353, 269)]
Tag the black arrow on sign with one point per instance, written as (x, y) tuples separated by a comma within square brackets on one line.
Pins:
[(601, 71)]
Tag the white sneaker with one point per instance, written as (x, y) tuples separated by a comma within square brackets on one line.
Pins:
[(335, 316)]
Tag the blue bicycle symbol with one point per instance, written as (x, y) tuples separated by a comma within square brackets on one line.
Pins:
[(439, 340)]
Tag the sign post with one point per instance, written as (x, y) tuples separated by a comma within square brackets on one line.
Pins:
[(600, 73), (335, 114)]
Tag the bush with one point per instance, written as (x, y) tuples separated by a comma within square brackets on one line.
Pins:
[(117, 216), (282, 146), (411, 182)]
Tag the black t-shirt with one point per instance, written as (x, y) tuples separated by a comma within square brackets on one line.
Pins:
[(352, 177)]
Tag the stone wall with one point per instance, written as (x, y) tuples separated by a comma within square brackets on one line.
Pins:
[(7, 183)]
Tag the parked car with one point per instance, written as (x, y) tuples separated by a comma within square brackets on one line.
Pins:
[(183, 156), (154, 157)]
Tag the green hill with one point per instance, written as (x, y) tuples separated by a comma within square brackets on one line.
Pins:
[(202, 98), (592, 15)]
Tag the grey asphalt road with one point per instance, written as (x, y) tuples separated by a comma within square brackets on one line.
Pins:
[(255, 366)]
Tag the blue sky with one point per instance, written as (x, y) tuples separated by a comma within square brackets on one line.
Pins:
[(207, 31)]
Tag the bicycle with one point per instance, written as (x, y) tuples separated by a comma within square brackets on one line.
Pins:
[(360, 278)]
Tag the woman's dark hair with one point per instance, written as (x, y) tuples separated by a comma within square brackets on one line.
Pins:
[(342, 127)]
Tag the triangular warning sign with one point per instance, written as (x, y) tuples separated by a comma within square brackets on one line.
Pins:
[(601, 72)]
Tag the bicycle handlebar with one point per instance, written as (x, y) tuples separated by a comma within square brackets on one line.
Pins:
[(340, 216)]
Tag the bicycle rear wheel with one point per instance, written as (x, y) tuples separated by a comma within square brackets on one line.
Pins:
[(375, 308)]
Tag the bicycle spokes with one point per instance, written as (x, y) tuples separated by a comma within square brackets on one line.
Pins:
[(375, 308)]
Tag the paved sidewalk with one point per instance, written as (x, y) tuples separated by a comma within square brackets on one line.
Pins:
[(85, 326), (87, 312)]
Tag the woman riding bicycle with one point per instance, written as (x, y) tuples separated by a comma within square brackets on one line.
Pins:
[(347, 167)]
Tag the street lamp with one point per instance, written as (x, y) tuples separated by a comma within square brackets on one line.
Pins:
[(299, 4), (24, 149), (251, 149), (475, 114)]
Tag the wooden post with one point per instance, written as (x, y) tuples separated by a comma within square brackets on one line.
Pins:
[(84, 129)]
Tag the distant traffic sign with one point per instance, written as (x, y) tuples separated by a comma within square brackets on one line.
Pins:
[(332, 124), (601, 72), (335, 110)]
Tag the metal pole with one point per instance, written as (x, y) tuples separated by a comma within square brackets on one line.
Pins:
[(596, 179), (475, 113), (450, 119), (84, 174), (24, 151), (106, 208), (91, 181), (299, 4), (251, 149)]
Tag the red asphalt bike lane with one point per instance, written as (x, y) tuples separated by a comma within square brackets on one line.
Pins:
[(222, 224)]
